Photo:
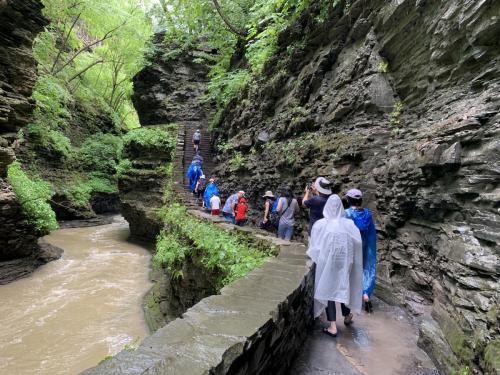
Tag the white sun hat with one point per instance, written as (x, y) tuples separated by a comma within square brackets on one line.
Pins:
[(322, 185)]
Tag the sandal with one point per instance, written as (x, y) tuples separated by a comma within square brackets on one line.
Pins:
[(327, 332), (348, 319)]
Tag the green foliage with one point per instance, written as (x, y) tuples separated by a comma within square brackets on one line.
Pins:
[(237, 161), (383, 67), (395, 118), (230, 255), (170, 251), (33, 194), (50, 140), (101, 152), (159, 137), (196, 22), (463, 371), (80, 190), (52, 98), (92, 49), (223, 146), (226, 86), (123, 168), (492, 355)]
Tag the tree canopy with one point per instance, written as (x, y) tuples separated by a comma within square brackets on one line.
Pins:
[(93, 48), (253, 24)]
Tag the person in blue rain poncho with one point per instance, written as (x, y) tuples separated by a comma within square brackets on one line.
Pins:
[(210, 190), (363, 219), (194, 172)]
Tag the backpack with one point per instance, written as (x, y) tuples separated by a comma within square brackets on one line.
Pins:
[(274, 209), (201, 184), (274, 216)]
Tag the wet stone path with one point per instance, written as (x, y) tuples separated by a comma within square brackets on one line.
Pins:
[(381, 343)]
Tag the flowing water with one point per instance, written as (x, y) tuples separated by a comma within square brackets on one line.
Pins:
[(73, 312)]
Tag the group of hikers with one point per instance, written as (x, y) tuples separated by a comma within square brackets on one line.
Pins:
[(341, 233)]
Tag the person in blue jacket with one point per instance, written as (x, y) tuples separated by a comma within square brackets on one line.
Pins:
[(194, 172), (363, 219), (210, 190)]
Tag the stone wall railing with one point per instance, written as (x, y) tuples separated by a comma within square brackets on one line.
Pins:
[(254, 326)]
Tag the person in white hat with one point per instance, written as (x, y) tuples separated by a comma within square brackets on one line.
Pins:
[(321, 190), (363, 219), (268, 203)]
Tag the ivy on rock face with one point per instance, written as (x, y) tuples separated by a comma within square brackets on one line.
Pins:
[(252, 24), (33, 195), (229, 254), (160, 137)]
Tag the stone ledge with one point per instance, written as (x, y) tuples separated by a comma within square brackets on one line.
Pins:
[(254, 326)]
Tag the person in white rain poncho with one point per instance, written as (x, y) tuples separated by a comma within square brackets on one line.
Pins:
[(336, 249)]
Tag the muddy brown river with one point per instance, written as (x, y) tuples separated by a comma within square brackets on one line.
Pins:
[(73, 312)]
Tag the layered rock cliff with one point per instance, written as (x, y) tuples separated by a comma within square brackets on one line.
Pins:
[(20, 22), (168, 90), (400, 99)]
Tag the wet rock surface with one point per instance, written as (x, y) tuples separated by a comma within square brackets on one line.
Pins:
[(384, 342), (11, 270), (401, 100), (20, 22), (171, 296)]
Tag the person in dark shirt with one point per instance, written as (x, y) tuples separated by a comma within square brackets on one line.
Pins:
[(320, 190)]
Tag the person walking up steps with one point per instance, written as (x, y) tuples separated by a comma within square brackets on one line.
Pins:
[(196, 140), (363, 219), (210, 191), (316, 204), (287, 208), (200, 188), (335, 247), (194, 172), (228, 211)]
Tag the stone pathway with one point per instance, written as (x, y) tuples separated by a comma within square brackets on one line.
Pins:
[(382, 343)]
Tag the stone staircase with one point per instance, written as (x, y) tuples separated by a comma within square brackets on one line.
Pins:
[(184, 154)]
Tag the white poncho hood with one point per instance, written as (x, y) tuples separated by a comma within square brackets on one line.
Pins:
[(335, 247)]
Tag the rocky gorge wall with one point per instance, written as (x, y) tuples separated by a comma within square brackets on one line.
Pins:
[(400, 99), (20, 22)]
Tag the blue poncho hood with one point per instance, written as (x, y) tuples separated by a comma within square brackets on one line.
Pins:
[(362, 218), (211, 189)]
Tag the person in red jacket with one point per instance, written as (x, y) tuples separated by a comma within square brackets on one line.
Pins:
[(241, 212)]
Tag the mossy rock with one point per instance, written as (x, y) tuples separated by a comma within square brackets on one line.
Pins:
[(151, 305), (492, 357), (454, 335)]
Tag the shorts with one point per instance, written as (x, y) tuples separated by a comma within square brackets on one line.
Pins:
[(215, 212), (196, 141)]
